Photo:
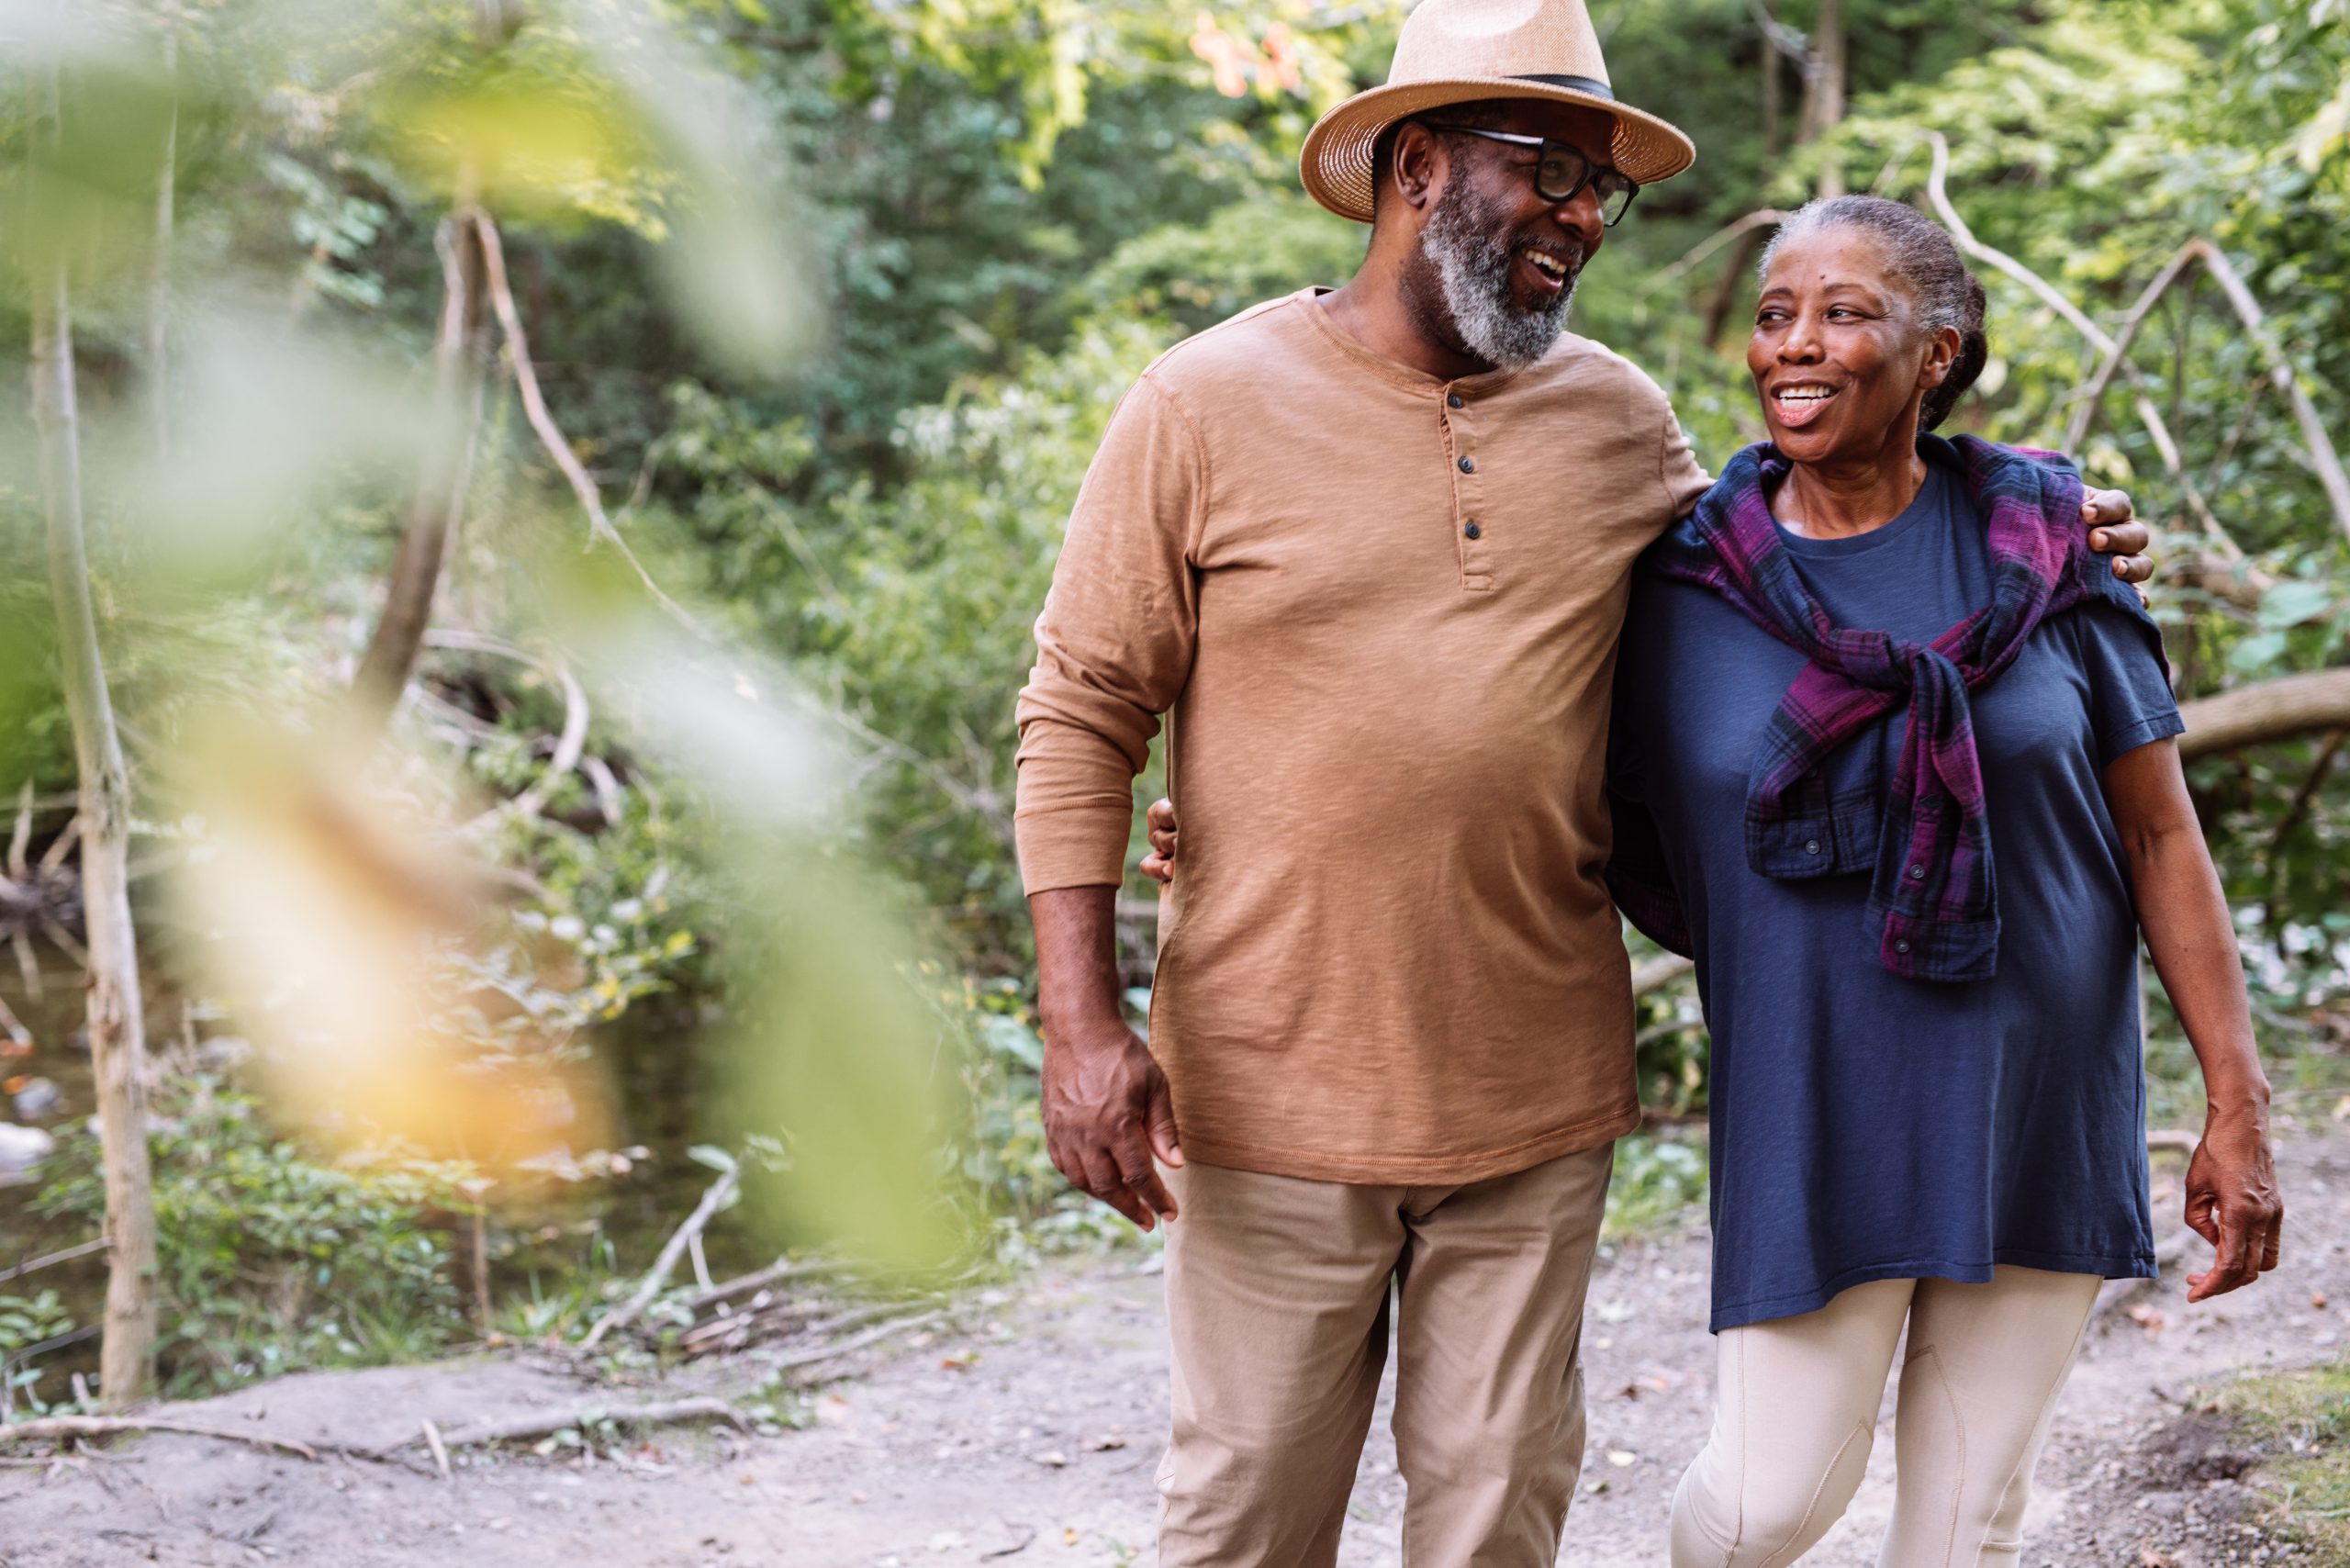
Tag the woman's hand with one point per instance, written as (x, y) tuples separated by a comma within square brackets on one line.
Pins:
[(2231, 1199), (1159, 864)]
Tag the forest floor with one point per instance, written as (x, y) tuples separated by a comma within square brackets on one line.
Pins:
[(1029, 1431)]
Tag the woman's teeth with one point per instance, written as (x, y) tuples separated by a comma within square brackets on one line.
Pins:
[(1797, 405)]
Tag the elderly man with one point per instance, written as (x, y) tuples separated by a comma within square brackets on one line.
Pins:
[(1370, 548)]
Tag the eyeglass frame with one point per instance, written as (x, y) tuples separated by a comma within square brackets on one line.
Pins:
[(1593, 168)]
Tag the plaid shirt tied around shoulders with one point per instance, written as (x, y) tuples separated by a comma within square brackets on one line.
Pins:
[(1933, 902)]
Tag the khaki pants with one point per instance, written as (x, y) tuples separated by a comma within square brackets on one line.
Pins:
[(1797, 1414), (1278, 1312)]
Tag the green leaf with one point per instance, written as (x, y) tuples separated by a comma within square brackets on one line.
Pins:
[(2293, 603)]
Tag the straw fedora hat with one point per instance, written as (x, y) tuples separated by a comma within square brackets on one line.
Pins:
[(1458, 51)]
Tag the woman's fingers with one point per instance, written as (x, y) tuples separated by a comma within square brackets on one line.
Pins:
[(1159, 864)]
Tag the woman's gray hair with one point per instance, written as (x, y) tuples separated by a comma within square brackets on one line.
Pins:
[(1925, 261)]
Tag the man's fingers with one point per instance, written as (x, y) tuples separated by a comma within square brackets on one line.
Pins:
[(2272, 1246), (1103, 1181), (1156, 867), (1140, 1176), (2201, 1217), (1162, 1122), (1161, 816), (2134, 570), (2103, 507)]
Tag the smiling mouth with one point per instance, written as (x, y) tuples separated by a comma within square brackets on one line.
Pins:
[(1799, 404), (1551, 271)]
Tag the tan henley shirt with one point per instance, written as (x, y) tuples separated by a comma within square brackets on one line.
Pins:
[(1382, 610)]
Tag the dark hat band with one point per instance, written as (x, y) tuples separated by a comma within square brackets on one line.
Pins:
[(1574, 85)]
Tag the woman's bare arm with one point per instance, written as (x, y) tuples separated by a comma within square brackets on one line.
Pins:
[(2231, 1199)]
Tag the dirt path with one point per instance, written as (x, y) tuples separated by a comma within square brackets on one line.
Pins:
[(1030, 1433)]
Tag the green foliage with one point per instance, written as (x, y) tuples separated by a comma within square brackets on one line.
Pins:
[(27, 1322), (269, 1259), (2301, 1420), (1657, 1181)]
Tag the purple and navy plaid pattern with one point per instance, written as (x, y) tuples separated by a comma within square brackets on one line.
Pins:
[(1933, 902)]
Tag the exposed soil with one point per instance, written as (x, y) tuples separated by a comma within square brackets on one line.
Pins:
[(1030, 1432)]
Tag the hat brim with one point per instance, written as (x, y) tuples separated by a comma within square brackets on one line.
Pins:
[(1335, 163)]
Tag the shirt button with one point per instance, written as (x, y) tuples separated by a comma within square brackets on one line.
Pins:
[(1917, 873), (1811, 847), (1474, 532), (1468, 465), (1901, 943), (1454, 399)]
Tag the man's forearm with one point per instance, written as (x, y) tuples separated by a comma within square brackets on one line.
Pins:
[(1076, 956)]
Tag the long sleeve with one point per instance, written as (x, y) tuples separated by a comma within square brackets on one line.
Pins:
[(1113, 645)]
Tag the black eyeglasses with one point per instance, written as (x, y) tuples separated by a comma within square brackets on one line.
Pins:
[(1562, 172)]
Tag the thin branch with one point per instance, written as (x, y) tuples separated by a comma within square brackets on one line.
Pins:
[(545, 1423), (2302, 797), (658, 1275), (22, 836), (1761, 217), (51, 1428), (1937, 191), (66, 1255), (2327, 462), (551, 437)]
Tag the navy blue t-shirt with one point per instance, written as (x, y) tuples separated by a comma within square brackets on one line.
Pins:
[(1866, 1126)]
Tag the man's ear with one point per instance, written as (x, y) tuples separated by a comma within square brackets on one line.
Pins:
[(1418, 164)]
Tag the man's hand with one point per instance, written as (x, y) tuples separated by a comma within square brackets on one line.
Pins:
[(1107, 1112), (1107, 1109), (2114, 531), (2231, 1202)]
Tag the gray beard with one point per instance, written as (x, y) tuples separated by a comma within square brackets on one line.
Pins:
[(1472, 266)]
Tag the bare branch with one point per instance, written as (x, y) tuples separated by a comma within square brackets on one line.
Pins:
[(51, 1428), (658, 1275), (1937, 191), (551, 437)]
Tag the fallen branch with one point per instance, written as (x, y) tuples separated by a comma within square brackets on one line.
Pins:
[(2271, 710), (793, 1361), (721, 1190), (777, 1272), (546, 1423), (52, 1428)]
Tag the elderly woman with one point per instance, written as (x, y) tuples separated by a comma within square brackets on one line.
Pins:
[(1893, 761)]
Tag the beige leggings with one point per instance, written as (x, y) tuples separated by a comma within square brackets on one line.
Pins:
[(1796, 1414)]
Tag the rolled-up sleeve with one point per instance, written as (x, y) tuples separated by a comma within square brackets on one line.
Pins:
[(1113, 645)]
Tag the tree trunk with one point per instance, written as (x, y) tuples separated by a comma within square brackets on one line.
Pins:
[(458, 384), (1823, 88), (1772, 71), (118, 1030), (159, 272)]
